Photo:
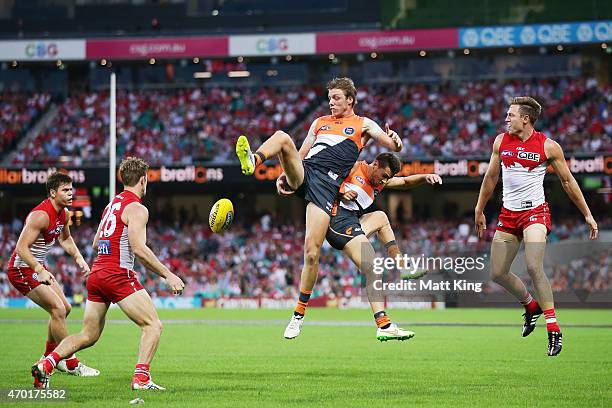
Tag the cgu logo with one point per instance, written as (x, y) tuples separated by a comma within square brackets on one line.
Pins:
[(41, 50), (529, 156), (272, 44)]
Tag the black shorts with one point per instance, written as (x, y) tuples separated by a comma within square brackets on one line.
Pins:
[(343, 227), (319, 188)]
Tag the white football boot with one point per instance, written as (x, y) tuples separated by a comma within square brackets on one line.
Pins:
[(80, 371), (149, 385), (294, 327), (393, 333)]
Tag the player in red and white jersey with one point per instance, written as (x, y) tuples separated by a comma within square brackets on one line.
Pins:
[(120, 237), (46, 223), (523, 154)]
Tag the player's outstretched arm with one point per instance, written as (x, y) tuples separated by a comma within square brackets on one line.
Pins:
[(36, 223), (571, 187), (408, 182), (66, 241), (137, 217), (387, 138), (487, 187)]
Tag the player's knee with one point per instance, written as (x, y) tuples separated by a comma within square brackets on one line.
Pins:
[(155, 327), (58, 311), (283, 138), (533, 267), (89, 337), (311, 255), (68, 308)]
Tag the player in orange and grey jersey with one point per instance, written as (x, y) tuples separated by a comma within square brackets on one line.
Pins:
[(316, 171), (355, 218)]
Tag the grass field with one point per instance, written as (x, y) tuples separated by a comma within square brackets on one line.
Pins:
[(210, 358)]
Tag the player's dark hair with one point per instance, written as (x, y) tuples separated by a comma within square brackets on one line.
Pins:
[(389, 160), (527, 107), (131, 170), (346, 85), (55, 180)]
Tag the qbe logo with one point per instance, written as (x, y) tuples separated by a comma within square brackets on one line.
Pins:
[(529, 156)]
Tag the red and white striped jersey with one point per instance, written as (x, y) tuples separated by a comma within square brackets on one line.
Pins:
[(114, 250), (40, 247), (523, 170)]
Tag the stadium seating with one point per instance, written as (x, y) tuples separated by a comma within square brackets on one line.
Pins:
[(458, 119), (266, 260)]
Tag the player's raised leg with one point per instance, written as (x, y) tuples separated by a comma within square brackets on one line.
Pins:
[(504, 248), (93, 324), (535, 243), (281, 144), (361, 252), (317, 222), (140, 309), (378, 223)]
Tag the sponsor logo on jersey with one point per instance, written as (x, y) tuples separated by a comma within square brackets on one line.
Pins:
[(357, 229), (507, 153), (526, 204), (57, 230), (103, 247), (499, 224), (332, 175), (533, 218), (360, 179), (349, 131), (324, 127), (529, 156), (35, 276), (520, 148)]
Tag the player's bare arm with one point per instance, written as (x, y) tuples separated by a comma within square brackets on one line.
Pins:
[(408, 182), (94, 245), (35, 224), (136, 217), (387, 138), (487, 187), (559, 165), (66, 241)]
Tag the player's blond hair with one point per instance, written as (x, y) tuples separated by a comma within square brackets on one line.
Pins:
[(527, 107), (131, 170), (346, 85)]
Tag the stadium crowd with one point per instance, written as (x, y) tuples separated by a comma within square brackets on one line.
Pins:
[(183, 126), (265, 257), (18, 112), (180, 126)]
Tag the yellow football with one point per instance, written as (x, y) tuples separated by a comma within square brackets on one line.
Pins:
[(221, 215)]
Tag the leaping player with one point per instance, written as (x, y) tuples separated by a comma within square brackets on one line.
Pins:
[(356, 218), (120, 236), (47, 222), (523, 154), (317, 170)]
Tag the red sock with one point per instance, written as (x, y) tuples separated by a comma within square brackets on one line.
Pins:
[(72, 362), (531, 306), (551, 321), (49, 347), (141, 372), (51, 361)]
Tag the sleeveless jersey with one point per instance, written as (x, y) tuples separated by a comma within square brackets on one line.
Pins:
[(114, 251), (358, 181), (40, 247), (523, 170), (337, 145)]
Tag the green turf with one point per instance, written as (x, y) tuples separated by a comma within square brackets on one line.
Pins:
[(238, 364)]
